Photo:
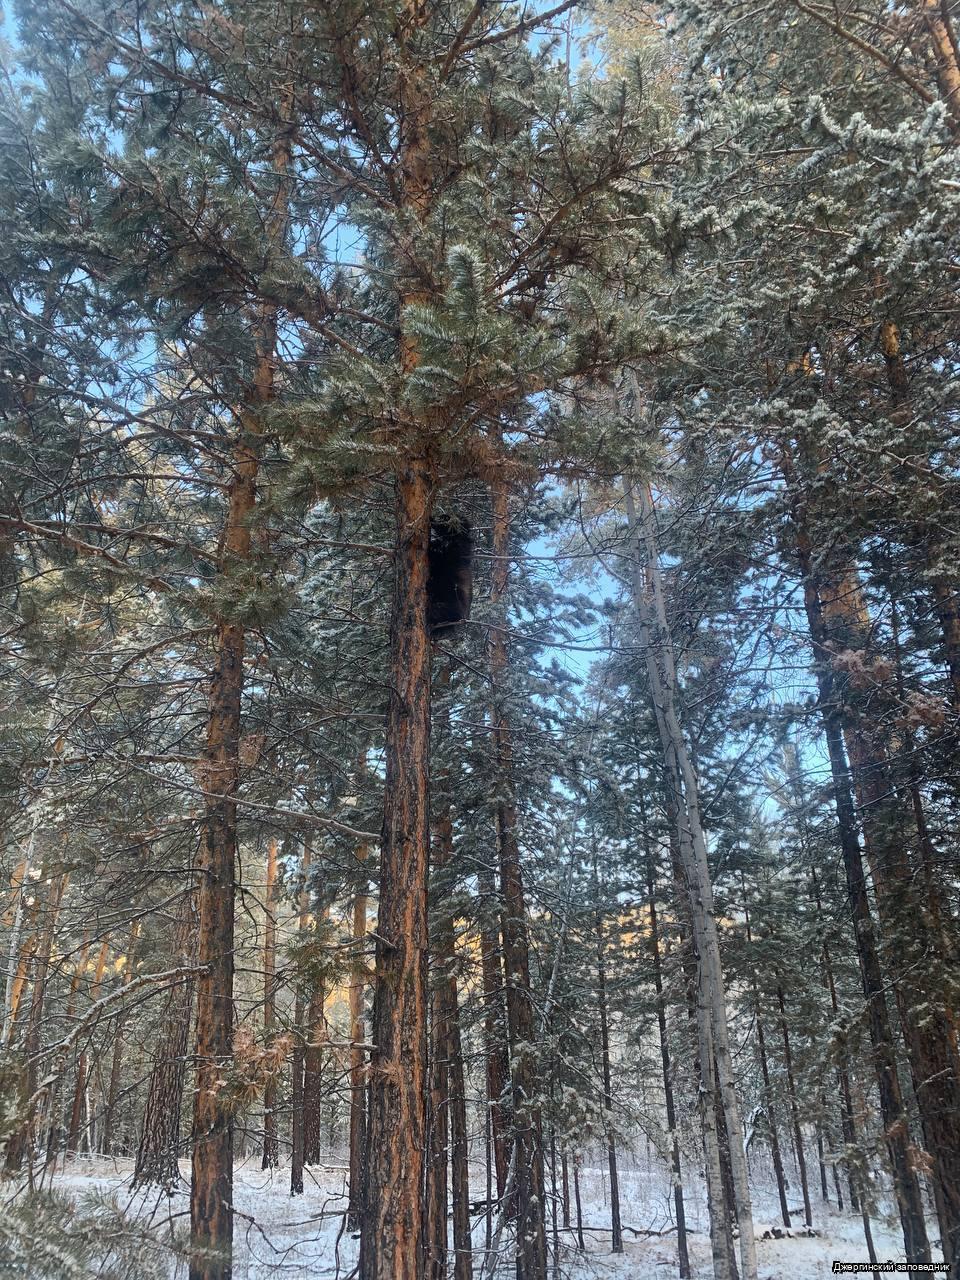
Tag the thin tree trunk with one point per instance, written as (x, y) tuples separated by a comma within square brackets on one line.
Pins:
[(459, 1146), (765, 1075), (358, 1087), (296, 1100), (448, 1120), (18, 886), (439, 1134), (683, 1256), (494, 1031), (794, 1109), (528, 1139), (392, 1229), (616, 1229), (712, 1012), (80, 1088), (581, 1243), (449, 1012), (488, 1171), (112, 1141), (704, 1071), (313, 1056), (21, 1143), (315, 1036), (554, 1197), (437, 1189), (300, 1034), (821, 1157), (157, 1159), (18, 986), (847, 1130), (56, 1134), (271, 1145)]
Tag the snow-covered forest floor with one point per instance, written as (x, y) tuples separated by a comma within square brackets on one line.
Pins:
[(303, 1238)]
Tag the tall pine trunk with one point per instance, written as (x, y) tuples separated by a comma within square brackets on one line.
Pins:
[(211, 1184), (211, 1193), (392, 1228)]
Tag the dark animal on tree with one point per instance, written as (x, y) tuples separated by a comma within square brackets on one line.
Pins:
[(450, 580)]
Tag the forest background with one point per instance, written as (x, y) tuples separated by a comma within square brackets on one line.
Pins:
[(651, 315)]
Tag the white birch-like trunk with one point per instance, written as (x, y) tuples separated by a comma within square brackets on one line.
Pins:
[(712, 1030)]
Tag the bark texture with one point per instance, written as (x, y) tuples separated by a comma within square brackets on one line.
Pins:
[(392, 1229)]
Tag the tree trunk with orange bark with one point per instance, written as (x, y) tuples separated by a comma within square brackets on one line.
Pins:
[(315, 1031), (392, 1228)]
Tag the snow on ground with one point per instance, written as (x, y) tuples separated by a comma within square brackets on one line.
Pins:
[(279, 1237)]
